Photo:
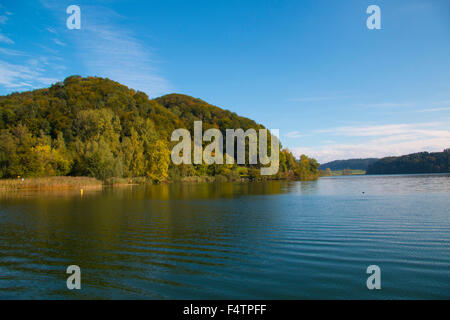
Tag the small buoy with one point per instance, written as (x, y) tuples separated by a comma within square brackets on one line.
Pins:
[(363, 192), (81, 191)]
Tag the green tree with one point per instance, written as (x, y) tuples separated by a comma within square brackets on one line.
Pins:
[(133, 151), (97, 160), (48, 162)]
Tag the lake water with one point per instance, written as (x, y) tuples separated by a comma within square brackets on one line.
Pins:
[(272, 240)]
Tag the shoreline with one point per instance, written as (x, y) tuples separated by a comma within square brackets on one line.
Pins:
[(50, 184), (64, 183)]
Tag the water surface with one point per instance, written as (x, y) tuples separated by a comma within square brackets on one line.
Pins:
[(272, 240)]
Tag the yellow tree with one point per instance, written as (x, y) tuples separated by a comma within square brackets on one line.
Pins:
[(158, 159)]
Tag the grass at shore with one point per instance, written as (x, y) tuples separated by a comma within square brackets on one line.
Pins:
[(349, 173), (85, 183), (346, 172), (50, 183), (61, 183)]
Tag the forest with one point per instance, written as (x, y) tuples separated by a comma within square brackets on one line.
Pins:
[(96, 127), (422, 162)]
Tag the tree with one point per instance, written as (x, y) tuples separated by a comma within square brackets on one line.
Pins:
[(97, 160), (133, 151), (158, 159), (48, 162)]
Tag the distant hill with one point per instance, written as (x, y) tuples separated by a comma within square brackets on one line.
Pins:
[(422, 162), (353, 164)]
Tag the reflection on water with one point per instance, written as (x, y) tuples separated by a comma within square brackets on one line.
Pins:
[(276, 240)]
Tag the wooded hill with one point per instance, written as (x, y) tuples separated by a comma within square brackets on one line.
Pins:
[(97, 127), (422, 162)]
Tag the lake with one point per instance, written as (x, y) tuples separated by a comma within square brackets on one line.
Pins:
[(268, 240)]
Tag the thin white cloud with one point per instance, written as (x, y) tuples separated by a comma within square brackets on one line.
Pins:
[(293, 134), (14, 76), (401, 104), (386, 105), (23, 77), (47, 81), (371, 149), (59, 43), (47, 49), (102, 47), (5, 39), (12, 52), (377, 130), (434, 109), (116, 53), (33, 62), (318, 98), (309, 99), (51, 30), (381, 141), (34, 71)]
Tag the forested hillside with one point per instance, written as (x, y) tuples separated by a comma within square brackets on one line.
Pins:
[(100, 128), (422, 162), (353, 164)]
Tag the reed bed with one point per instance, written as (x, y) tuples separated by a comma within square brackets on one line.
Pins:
[(50, 183)]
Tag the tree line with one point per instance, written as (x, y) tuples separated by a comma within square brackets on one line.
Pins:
[(97, 127), (422, 162)]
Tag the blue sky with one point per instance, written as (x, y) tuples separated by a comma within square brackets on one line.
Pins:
[(311, 68)]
